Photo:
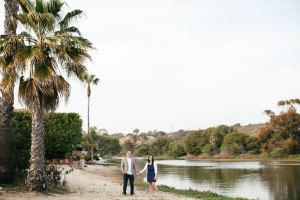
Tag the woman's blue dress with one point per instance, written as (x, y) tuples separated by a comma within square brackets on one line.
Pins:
[(150, 174)]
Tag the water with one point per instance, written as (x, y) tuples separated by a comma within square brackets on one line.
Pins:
[(253, 180)]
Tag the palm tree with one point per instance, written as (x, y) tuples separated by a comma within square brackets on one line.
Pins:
[(92, 138), (7, 103), (90, 80), (48, 46)]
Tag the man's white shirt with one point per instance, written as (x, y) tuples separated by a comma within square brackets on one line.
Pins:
[(129, 166)]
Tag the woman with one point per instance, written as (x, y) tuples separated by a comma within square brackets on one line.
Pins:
[(151, 168)]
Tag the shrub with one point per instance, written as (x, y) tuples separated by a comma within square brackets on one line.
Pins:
[(161, 145), (128, 145), (278, 154), (290, 145), (21, 140), (62, 134), (208, 149), (176, 149), (142, 150), (108, 145), (252, 145), (234, 143)]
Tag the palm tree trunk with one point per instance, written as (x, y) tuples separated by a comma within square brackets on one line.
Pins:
[(7, 108), (88, 115), (36, 177), (11, 7), (92, 154), (7, 103)]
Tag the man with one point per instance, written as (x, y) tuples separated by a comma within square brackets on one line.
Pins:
[(129, 168)]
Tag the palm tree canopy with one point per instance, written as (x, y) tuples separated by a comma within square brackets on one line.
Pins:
[(48, 46), (91, 79)]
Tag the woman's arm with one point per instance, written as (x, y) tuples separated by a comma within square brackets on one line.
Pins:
[(155, 168), (144, 168)]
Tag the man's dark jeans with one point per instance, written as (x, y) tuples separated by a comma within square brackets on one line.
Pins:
[(131, 180)]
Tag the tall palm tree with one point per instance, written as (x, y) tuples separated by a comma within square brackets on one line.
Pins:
[(7, 103), (90, 80), (48, 46)]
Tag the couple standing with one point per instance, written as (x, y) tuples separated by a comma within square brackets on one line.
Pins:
[(129, 168)]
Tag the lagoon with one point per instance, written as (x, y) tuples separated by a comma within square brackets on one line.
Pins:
[(251, 179)]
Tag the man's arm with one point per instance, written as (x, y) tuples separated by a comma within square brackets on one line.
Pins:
[(135, 167), (122, 165)]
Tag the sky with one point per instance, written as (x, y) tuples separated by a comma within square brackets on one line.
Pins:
[(186, 64)]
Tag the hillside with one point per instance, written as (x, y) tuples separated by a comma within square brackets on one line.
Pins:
[(179, 135), (140, 139), (251, 129)]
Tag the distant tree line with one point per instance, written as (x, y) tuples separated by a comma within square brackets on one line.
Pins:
[(279, 137)]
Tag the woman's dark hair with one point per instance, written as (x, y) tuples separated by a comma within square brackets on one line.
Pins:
[(152, 159)]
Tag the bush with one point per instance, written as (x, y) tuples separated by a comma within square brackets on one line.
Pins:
[(252, 145), (176, 149), (234, 143), (21, 140), (161, 145), (290, 145), (87, 157), (142, 150), (53, 174), (128, 145), (208, 149), (108, 145), (192, 143), (62, 132), (278, 154)]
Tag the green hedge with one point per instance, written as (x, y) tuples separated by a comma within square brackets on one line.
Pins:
[(62, 132)]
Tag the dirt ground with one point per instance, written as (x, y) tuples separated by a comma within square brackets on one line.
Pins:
[(92, 182)]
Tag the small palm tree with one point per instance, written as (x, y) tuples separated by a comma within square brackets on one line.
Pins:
[(49, 45), (92, 138), (90, 80)]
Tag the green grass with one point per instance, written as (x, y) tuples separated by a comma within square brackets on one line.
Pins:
[(196, 194), (58, 189), (206, 195)]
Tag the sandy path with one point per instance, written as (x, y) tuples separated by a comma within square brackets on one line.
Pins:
[(93, 182)]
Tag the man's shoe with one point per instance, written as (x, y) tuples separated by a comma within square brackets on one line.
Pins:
[(132, 194), (124, 194)]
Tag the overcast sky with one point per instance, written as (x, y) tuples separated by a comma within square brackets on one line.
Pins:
[(187, 63)]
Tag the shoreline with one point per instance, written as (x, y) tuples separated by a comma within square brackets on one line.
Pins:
[(243, 158)]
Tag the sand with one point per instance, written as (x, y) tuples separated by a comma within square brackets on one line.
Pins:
[(92, 182)]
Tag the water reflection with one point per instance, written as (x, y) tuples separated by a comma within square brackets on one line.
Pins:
[(255, 180)]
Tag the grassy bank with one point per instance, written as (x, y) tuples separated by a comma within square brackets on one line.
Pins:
[(274, 156)]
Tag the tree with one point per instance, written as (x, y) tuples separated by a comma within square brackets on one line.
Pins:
[(108, 145), (91, 140), (161, 145), (234, 142), (284, 128), (136, 131), (7, 101), (47, 45), (90, 80), (176, 149)]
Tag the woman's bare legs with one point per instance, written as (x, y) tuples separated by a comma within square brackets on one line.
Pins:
[(151, 189), (153, 184)]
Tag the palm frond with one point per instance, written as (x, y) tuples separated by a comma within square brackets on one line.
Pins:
[(54, 7), (68, 30), (73, 15)]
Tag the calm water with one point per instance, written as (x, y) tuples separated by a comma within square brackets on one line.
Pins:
[(253, 180)]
